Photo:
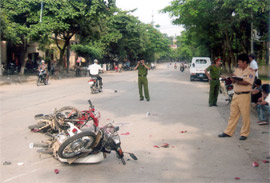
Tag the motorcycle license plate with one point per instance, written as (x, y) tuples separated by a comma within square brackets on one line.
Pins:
[(230, 92), (90, 82)]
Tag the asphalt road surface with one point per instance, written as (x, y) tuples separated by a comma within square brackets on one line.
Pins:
[(178, 115)]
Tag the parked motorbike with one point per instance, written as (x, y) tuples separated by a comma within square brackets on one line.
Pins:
[(10, 69), (94, 85), (42, 77), (228, 89), (58, 120)]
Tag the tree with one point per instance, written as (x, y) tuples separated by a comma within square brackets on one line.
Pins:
[(213, 27)]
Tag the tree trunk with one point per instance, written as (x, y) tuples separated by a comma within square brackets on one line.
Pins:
[(23, 59)]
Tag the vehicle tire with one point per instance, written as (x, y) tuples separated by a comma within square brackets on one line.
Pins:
[(45, 81), (92, 90), (74, 145), (64, 114), (38, 81)]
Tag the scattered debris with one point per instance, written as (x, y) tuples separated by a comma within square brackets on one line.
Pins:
[(166, 145), (127, 133), (237, 178), (255, 164), (265, 132), (56, 171), (148, 114), (265, 161), (268, 157), (150, 135), (156, 146), (20, 163), (115, 91), (183, 131), (6, 163)]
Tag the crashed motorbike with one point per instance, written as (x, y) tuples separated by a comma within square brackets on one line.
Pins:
[(85, 145), (42, 78), (227, 89), (95, 86), (58, 120)]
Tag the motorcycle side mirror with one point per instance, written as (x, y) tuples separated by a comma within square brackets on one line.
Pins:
[(133, 156), (116, 128)]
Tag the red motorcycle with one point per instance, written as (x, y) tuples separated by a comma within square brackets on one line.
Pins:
[(58, 121), (228, 87)]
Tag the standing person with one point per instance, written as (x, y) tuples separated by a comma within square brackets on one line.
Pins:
[(241, 99), (94, 71), (215, 72), (263, 108), (142, 79), (254, 66)]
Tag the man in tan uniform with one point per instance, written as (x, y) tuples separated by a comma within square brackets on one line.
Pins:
[(241, 99)]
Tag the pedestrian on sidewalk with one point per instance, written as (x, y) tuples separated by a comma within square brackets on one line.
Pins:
[(215, 72), (263, 108), (241, 99), (142, 79)]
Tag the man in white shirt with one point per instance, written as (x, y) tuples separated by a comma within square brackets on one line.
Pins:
[(254, 65), (94, 71)]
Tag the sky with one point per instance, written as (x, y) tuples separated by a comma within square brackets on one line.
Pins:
[(147, 8)]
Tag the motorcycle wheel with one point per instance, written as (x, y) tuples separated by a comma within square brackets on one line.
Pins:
[(92, 90), (45, 81), (65, 114), (77, 144), (38, 81)]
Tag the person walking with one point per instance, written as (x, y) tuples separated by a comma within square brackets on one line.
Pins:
[(213, 76), (240, 104), (142, 79)]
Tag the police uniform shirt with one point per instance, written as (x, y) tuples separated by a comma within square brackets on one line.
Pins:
[(215, 71), (248, 75), (142, 71)]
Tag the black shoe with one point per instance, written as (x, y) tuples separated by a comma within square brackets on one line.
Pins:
[(141, 99), (215, 105), (147, 100), (243, 138), (223, 135)]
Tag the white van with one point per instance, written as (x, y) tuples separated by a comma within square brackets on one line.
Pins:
[(197, 67)]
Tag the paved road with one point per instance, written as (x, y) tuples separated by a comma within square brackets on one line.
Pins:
[(176, 105)]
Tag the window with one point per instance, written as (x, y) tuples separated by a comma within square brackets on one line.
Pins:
[(200, 61)]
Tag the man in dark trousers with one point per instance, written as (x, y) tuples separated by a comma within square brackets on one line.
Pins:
[(142, 79), (213, 76)]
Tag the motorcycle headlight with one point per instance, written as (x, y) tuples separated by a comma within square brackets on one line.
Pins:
[(116, 139)]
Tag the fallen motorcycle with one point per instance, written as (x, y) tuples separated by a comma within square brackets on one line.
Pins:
[(86, 145), (57, 121)]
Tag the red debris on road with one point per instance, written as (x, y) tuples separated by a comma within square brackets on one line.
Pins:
[(255, 164)]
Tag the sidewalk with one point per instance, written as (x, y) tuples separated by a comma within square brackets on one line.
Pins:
[(16, 79)]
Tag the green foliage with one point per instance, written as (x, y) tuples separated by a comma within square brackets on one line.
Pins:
[(212, 30), (87, 51)]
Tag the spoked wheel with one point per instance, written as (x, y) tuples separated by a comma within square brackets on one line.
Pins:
[(77, 144), (66, 114)]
